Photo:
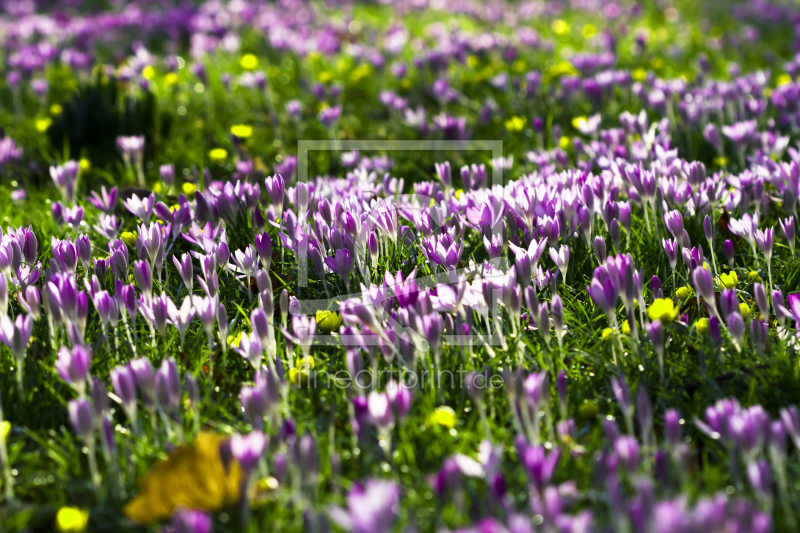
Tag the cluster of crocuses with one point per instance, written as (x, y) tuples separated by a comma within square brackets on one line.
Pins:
[(637, 477)]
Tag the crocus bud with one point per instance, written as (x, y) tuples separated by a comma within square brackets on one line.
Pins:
[(761, 299), (707, 229), (184, 268), (399, 399), (713, 330), (143, 372), (557, 312), (260, 325), (655, 288), (144, 276), (264, 249), (655, 332), (73, 366), (736, 327), (729, 252), (372, 244), (168, 385), (759, 332), (600, 249), (627, 450), (616, 234), (99, 398), (561, 386), (80, 414), (124, 383)]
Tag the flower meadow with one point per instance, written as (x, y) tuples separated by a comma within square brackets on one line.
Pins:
[(422, 265)]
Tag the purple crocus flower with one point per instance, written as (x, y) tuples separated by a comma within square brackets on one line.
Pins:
[(248, 449), (705, 287), (674, 222), (342, 264), (604, 295), (371, 508), (626, 448), (329, 115), (141, 207), (251, 348), (671, 249), (168, 389), (765, 240), (145, 380), (181, 318), (190, 521), (729, 252), (540, 464), (264, 249), (105, 201), (788, 227), (73, 366), (185, 270), (124, 382), (16, 334), (80, 415), (380, 410), (144, 276)]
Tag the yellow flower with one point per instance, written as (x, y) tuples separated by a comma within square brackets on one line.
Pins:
[(606, 334), (589, 31), (188, 188), (443, 416), (242, 131), (515, 123), (84, 164), (701, 326), (149, 72), (559, 27), (326, 76), (565, 142), (129, 238), (683, 293), (328, 321), (562, 68), (783, 79), (639, 74), (72, 520), (193, 476), (43, 124), (753, 276), (299, 374), (744, 309), (5, 429), (218, 154), (157, 188), (577, 122), (721, 161), (626, 328), (728, 281), (249, 61), (56, 109), (663, 310), (233, 340), (171, 79), (359, 73)]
